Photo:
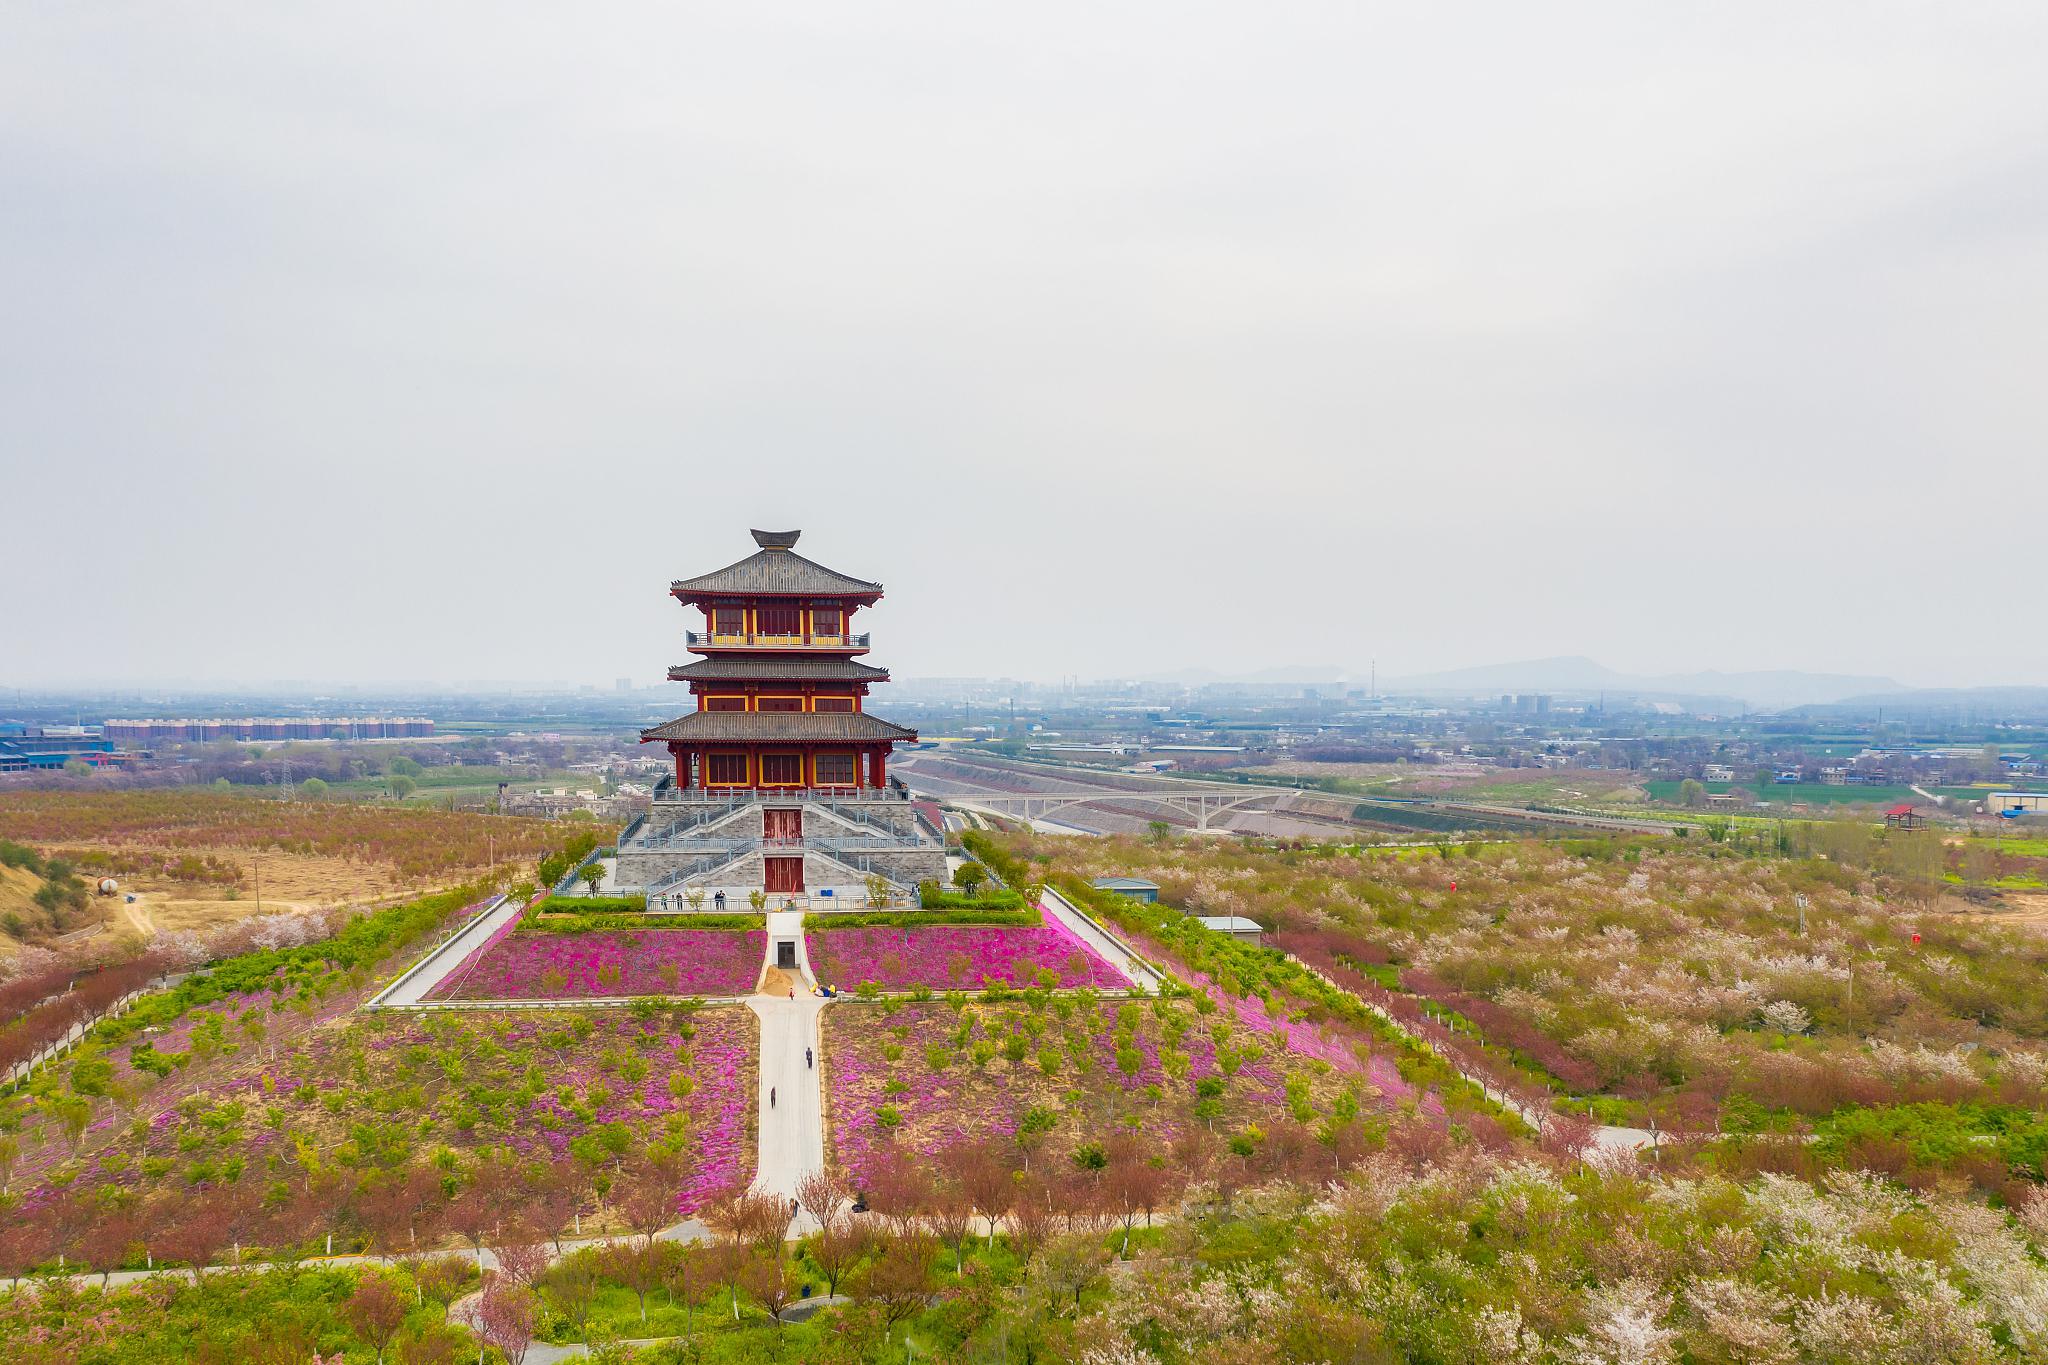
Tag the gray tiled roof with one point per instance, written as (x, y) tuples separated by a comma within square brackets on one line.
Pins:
[(753, 667), (779, 727), (777, 570)]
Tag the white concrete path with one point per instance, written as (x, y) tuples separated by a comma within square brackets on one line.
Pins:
[(1089, 932), (412, 987), (792, 1129)]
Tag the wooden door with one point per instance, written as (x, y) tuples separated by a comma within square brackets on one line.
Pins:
[(785, 876), (782, 826)]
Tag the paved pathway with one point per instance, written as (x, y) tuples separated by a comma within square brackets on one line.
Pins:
[(1092, 934), (792, 1129), (431, 970)]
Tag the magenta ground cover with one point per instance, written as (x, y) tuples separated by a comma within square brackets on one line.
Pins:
[(710, 962), (971, 1103), (956, 957)]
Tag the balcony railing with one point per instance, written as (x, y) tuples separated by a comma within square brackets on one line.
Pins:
[(738, 796), (717, 639)]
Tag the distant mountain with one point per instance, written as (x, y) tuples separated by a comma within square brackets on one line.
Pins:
[(1769, 690), (2012, 703)]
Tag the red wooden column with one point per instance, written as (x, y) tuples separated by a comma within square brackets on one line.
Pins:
[(881, 765)]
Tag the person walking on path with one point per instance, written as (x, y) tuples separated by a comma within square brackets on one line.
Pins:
[(771, 1097), (807, 1059), (718, 902)]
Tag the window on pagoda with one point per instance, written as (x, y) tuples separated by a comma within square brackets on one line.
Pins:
[(782, 770), (725, 703), (728, 621), (725, 770), (835, 770), (779, 620), (828, 621), (832, 704), (779, 704)]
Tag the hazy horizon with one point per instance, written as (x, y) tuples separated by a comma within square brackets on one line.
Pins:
[(383, 343)]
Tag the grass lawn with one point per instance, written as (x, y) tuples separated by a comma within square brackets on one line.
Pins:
[(2019, 848), (464, 782)]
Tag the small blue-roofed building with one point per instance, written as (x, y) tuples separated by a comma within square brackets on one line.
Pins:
[(1137, 888)]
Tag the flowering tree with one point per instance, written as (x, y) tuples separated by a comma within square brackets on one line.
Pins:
[(986, 1180), (898, 1281), (640, 1264), (374, 1312), (824, 1193), (570, 1287), (505, 1318), (838, 1248)]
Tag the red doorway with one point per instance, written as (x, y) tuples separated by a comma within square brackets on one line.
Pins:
[(782, 826), (784, 876)]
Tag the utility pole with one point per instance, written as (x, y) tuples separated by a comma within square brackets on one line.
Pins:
[(1799, 899)]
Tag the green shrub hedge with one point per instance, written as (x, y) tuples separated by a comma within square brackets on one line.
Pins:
[(932, 896), (593, 905), (916, 919), (641, 923)]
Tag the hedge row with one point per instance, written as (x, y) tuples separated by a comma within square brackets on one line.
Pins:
[(932, 896), (1025, 918), (593, 905), (605, 924)]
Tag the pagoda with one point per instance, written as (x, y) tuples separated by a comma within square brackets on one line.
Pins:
[(781, 774)]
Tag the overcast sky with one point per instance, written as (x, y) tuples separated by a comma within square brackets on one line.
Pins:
[(398, 341)]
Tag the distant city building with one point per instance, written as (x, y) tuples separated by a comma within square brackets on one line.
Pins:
[(293, 727)]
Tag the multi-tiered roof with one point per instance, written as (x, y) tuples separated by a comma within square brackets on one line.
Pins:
[(780, 694)]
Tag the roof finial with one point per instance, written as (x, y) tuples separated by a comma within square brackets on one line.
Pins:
[(775, 540)]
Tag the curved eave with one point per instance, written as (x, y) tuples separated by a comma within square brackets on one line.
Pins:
[(696, 597)]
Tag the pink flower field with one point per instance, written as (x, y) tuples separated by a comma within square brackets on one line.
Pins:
[(684, 962), (1088, 1060), (950, 957)]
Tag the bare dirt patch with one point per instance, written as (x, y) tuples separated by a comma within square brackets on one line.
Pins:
[(2023, 909), (290, 883)]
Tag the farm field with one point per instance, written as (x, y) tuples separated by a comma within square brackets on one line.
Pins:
[(658, 960), (462, 779), (1515, 785), (1817, 794), (195, 858), (956, 957)]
